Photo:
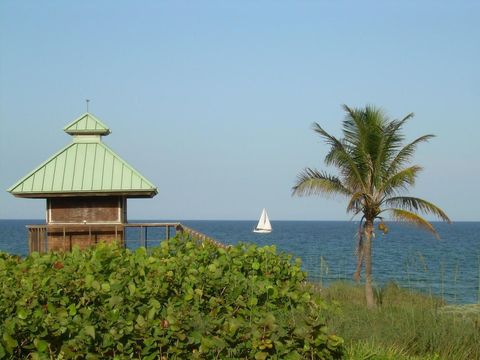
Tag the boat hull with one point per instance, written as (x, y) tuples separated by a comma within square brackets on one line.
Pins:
[(261, 231)]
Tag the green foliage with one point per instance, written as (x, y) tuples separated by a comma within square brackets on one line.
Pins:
[(373, 165), (405, 325), (184, 300), (368, 351), (373, 173)]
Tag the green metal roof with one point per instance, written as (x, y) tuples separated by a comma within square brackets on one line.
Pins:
[(87, 124), (85, 167)]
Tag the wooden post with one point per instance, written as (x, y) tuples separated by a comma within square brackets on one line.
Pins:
[(44, 239), (29, 241), (168, 232), (35, 240), (146, 236), (32, 239)]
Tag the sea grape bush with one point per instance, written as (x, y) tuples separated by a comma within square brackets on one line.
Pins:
[(182, 300)]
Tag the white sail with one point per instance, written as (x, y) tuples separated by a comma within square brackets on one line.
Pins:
[(263, 225)]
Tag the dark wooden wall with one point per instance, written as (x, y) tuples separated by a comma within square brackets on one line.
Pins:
[(77, 210), (84, 221)]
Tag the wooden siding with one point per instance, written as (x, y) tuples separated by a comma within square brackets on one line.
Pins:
[(79, 210)]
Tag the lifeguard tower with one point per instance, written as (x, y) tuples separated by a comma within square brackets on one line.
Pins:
[(86, 185)]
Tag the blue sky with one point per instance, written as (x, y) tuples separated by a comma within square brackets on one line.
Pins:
[(213, 101)]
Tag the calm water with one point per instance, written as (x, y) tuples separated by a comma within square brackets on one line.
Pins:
[(449, 268)]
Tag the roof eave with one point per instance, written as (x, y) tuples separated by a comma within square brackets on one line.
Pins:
[(129, 194), (88, 132)]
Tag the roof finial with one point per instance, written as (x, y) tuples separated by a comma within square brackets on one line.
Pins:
[(87, 100)]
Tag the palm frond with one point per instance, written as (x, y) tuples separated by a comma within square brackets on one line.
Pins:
[(405, 154), (388, 147), (313, 182), (395, 125), (362, 129), (349, 168), (354, 128), (355, 204), (401, 180), (340, 156), (373, 140), (330, 139), (414, 204), (410, 217)]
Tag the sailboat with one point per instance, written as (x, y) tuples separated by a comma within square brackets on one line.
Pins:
[(263, 226)]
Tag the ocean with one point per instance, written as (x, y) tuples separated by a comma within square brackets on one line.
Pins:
[(448, 268)]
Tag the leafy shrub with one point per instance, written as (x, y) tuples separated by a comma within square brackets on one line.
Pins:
[(184, 300)]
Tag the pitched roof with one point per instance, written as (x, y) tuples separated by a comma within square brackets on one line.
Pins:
[(85, 167), (86, 124)]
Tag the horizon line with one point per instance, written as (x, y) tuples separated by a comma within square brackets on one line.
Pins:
[(253, 220)]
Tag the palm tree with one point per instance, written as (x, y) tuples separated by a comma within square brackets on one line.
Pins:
[(374, 173)]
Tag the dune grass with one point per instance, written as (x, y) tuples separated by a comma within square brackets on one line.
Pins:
[(405, 325)]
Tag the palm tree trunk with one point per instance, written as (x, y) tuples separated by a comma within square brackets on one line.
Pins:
[(358, 270), (367, 254)]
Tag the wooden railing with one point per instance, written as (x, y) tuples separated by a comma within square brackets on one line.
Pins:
[(143, 239), (43, 238), (200, 236), (63, 237), (37, 238)]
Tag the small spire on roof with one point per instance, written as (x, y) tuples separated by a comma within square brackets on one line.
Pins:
[(87, 100)]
